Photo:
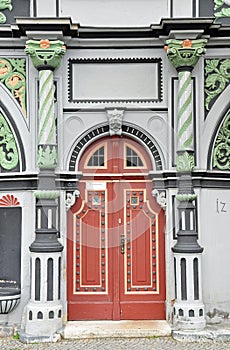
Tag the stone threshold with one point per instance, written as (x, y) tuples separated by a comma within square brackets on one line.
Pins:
[(212, 332), (116, 329)]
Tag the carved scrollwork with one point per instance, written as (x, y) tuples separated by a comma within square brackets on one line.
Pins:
[(224, 11), (71, 198), (160, 197), (4, 4), (221, 153), (13, 76), (8, 149), (217, 78)]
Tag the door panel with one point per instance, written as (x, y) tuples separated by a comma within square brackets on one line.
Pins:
[(116, 241)]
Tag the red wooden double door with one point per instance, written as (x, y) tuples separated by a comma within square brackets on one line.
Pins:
[(115, 246)]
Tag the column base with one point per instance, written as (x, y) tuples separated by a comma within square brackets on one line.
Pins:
[(189, 316), (42, 320), (30, 339)]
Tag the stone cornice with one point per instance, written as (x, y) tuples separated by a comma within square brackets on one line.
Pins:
[(64, 28)]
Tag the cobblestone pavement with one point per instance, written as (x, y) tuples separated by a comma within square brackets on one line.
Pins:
[(164, 343)]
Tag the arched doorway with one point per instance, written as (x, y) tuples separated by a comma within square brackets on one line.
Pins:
[(115, 258)]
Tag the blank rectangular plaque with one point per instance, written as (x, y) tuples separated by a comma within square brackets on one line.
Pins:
[(119, 80)]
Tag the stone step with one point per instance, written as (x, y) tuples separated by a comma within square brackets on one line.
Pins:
[(123, 329)]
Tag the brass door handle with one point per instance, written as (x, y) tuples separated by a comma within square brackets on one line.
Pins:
[(122, 244)]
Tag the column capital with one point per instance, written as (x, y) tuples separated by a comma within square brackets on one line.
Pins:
[(45, 53), (184, 54)]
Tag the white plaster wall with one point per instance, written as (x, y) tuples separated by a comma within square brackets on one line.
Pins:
[(182, 8), (46, 10), (77, 123), (115, 13), (110, 53), (214, 219)]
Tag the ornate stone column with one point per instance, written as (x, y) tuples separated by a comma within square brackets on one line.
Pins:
[(43, 314), (188, 307)]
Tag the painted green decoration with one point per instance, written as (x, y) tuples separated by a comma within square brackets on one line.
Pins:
[(45, 54), (8, 149), (224, 11), (13, 76), (186, 197), (47, 120), (185, 112), (185, 162), (185, 53), (217, 78), (221, 153), (47, 157), (4, 4), (44, 194)]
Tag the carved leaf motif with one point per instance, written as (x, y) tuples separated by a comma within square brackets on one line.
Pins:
[(221, 153), (47, 157), (217, 78), (218, 4), (185, 162), (13, 75), (211, 65), (8, 149)]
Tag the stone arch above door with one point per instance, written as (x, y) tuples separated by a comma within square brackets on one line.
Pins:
[(128, 130)]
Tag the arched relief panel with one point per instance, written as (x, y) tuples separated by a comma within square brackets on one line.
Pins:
[(14, 132), (211, 126), (131, 131), (220, 147)]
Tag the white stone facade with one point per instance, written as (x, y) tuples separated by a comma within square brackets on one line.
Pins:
[(115, 64)]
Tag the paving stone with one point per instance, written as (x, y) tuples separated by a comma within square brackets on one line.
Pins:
[(162, 343)]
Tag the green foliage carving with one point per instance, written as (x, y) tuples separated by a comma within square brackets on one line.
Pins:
[(13, 76), (221, 153), (185, 162), (45, 194), (185, 53), (188, 197), (47, 157), (45, 53), (8, 149), (4, 4), (224, 11), (217, 78)]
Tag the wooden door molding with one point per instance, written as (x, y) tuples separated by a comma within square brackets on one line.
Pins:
[(105, 282)]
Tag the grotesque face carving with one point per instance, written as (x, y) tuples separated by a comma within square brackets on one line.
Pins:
[(115, 122)]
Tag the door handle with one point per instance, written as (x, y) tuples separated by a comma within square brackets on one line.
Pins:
[(122, 244)]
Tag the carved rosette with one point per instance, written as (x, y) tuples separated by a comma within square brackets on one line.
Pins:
[(221, 153)]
